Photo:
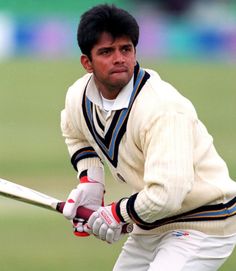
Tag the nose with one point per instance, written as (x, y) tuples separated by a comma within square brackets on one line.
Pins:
[(118, 57)]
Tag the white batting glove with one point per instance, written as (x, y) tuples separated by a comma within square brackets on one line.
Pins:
[(89, 193), (105, 224)]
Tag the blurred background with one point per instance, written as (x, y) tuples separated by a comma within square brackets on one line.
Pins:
[(169, 29), (192, 44)]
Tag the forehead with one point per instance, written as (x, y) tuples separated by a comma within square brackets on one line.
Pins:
[(107, 40)]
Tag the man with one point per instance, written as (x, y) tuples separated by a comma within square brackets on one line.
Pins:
[(184, 202)]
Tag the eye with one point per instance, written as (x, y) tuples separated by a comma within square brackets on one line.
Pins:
[(105, 51), (127, 49)]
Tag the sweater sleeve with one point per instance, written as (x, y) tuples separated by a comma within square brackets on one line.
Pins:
[(168, 174), (83, 156)]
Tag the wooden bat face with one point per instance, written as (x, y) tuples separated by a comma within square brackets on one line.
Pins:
[(25, 194)]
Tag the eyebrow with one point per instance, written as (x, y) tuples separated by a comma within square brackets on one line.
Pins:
[(110, 47), (104, 48)]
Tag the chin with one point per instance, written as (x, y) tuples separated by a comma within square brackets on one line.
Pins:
[(121, 82)]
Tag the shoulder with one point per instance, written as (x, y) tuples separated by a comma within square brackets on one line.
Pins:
[(74, 95), (160, 97), (76, 90)]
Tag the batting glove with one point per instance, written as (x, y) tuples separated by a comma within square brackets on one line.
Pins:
[(105, 224), (89, 193)]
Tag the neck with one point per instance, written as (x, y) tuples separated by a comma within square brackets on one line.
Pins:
[(110, 95)]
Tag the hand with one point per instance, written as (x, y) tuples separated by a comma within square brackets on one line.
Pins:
[(105, 224), (80, 227), (89, 193)]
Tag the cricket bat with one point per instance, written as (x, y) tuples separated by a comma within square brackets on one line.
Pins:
[(21, 193)]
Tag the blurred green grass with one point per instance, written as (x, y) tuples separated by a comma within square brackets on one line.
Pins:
[(33, 153)]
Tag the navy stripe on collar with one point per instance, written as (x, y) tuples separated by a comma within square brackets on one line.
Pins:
[(110, 143)]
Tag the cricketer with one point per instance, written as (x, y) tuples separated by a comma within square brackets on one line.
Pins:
[(183, 205)]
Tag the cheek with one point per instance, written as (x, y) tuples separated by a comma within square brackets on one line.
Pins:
[(101, 67), (100, 71), (132, 58), (132, 61)]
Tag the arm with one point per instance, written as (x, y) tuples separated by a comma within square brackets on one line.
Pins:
[(90, 172), (167, 145)]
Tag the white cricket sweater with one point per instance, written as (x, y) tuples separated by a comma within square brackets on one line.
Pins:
[(159, 147)]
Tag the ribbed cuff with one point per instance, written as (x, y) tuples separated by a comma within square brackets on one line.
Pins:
[(122, 211)]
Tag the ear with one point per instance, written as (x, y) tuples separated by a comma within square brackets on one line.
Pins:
[(86, 63)]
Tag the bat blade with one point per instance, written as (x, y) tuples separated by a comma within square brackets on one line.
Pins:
[(21, 193)]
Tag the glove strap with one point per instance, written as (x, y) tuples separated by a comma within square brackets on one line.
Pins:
[(114, 213), (83, 177)]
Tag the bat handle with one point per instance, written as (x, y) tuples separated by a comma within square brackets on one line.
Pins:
[(85, 213), (81, 212)]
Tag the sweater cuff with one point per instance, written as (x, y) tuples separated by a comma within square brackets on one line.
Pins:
[(122, 211)]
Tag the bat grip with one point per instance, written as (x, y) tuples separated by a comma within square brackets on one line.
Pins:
[(81, 212), (85, 213)]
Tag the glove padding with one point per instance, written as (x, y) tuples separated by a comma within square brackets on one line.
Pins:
[(105, 224), (89, 193)]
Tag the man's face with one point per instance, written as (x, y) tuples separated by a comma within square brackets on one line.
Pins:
[(112, 63)]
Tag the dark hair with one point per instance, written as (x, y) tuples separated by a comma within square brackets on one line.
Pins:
[(105, 18)]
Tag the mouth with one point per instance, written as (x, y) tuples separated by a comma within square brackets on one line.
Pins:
[(119, 70)]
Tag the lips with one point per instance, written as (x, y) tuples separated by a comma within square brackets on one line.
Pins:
[(119, 70)]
